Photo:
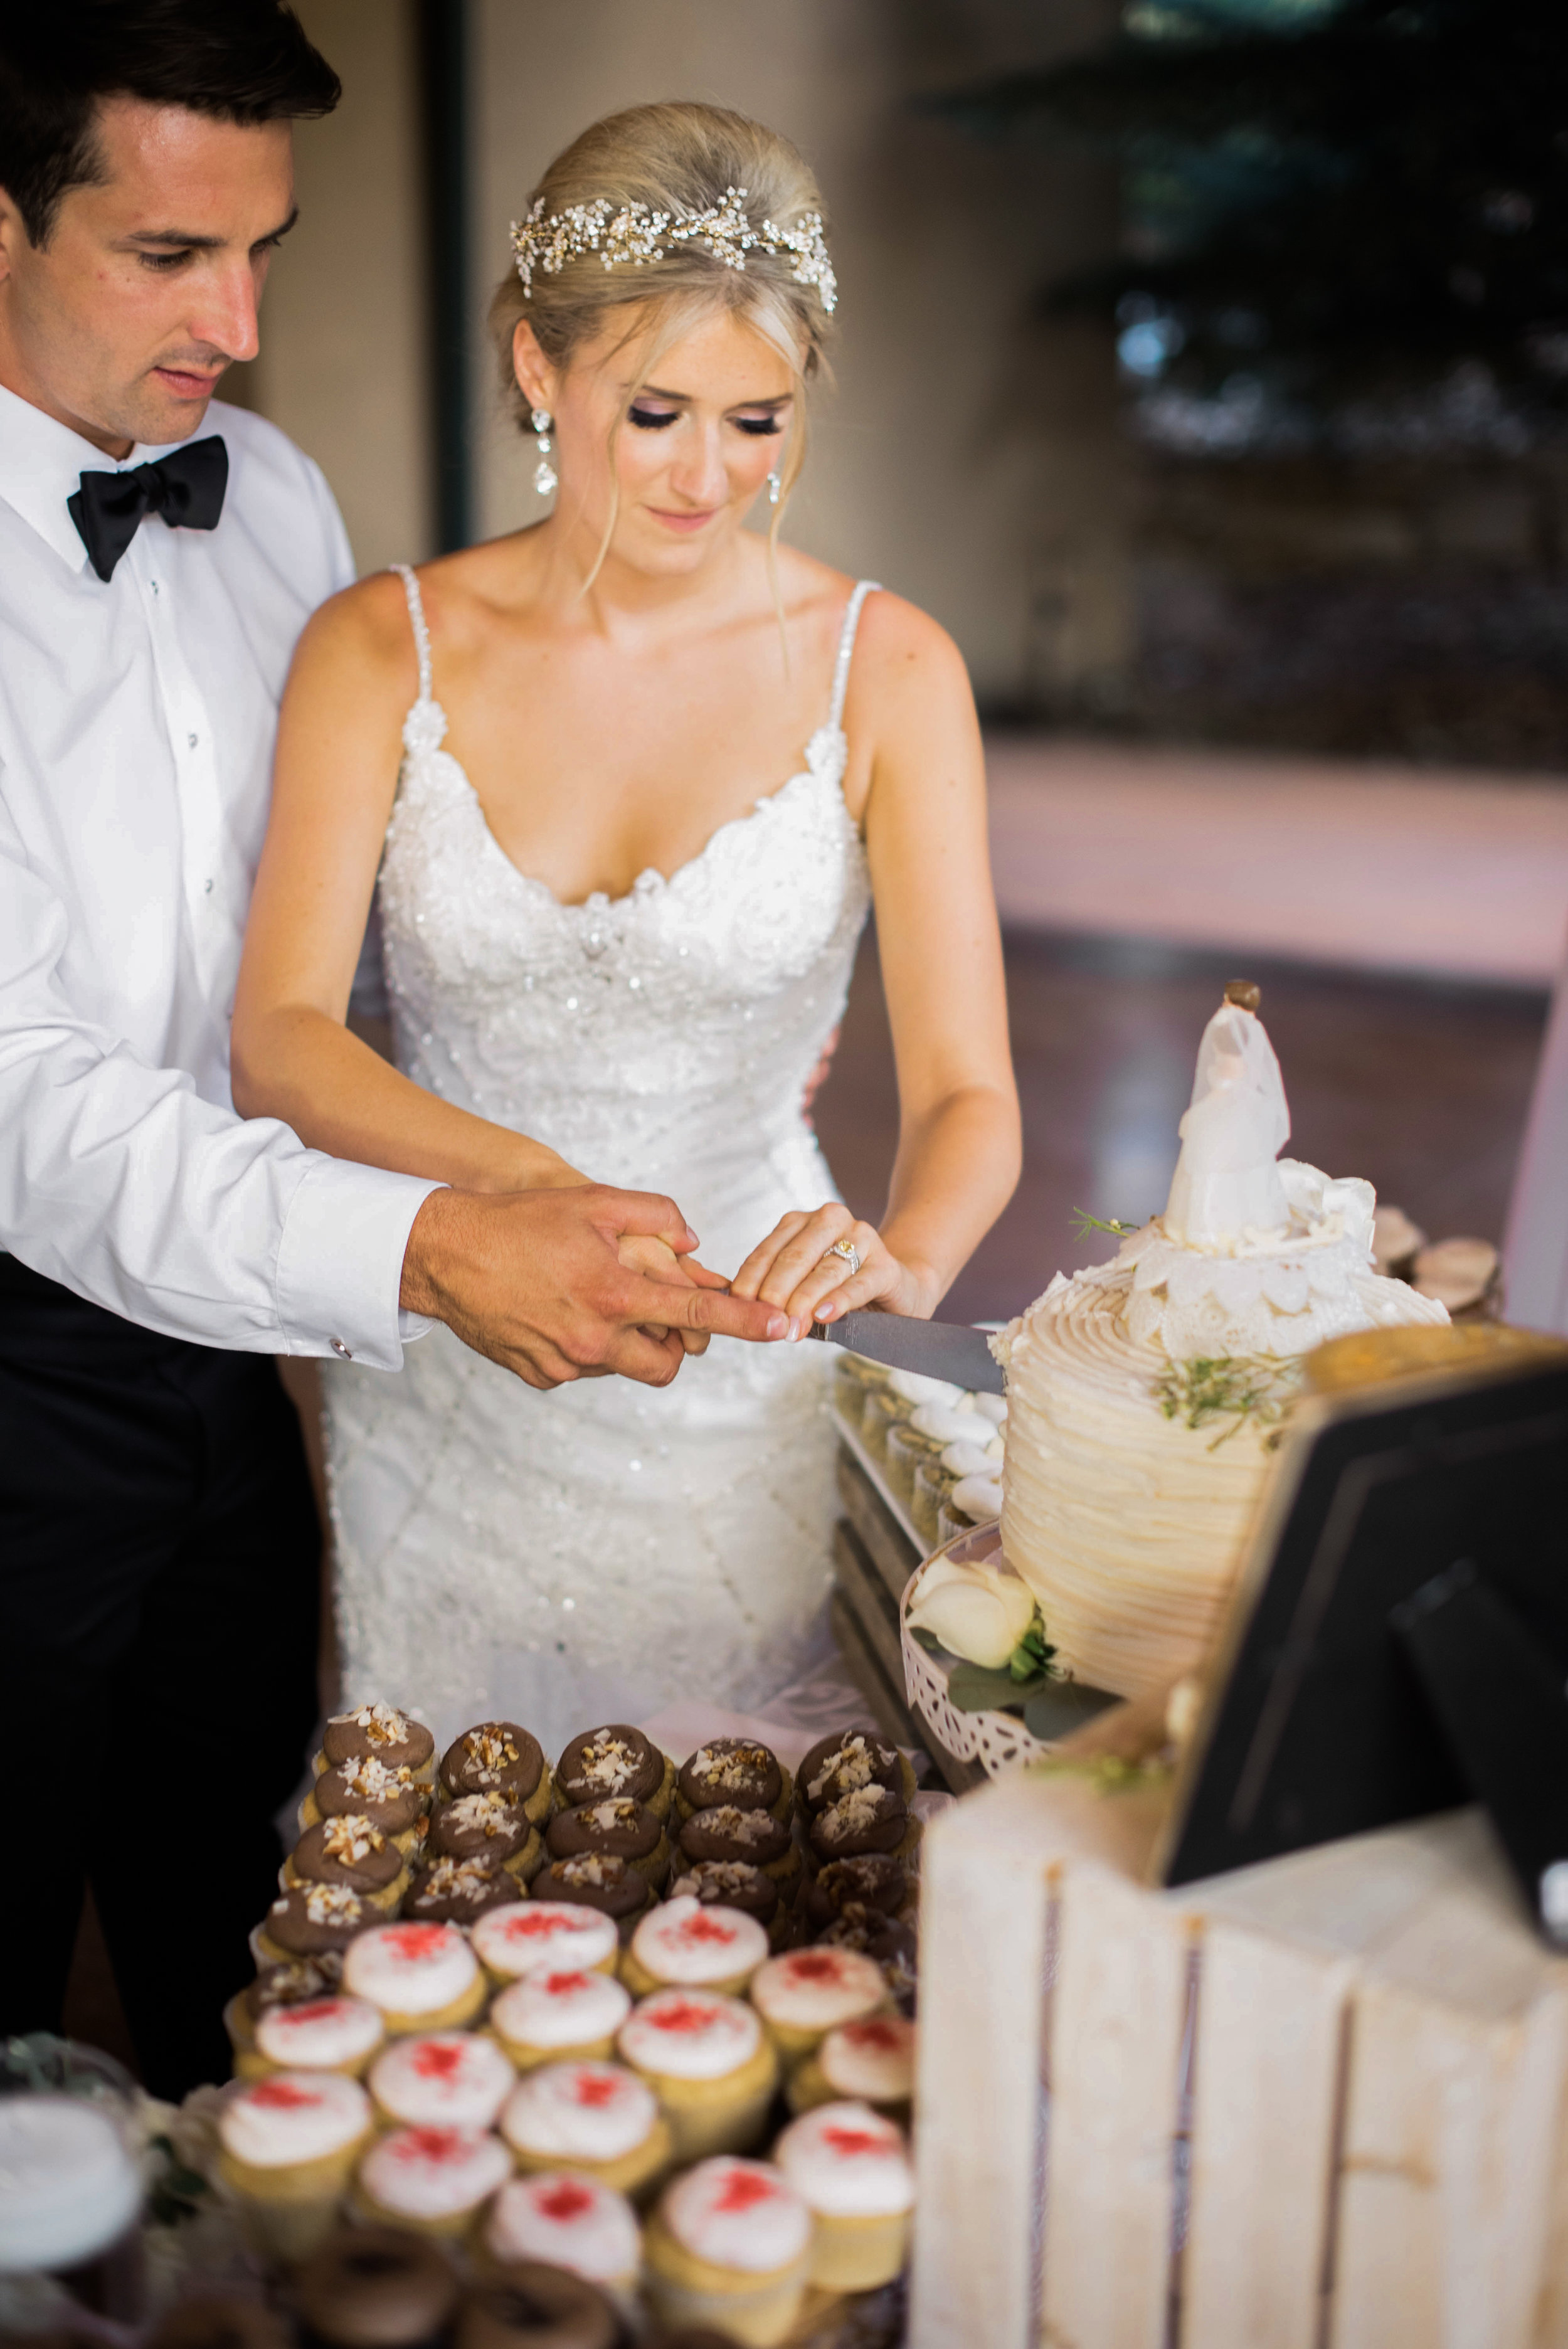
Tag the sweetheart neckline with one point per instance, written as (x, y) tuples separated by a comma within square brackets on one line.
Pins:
[(650, 881)]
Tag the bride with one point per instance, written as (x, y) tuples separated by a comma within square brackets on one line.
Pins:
[(626, 784)]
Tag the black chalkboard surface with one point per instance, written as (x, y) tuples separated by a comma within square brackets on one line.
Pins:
[(1399, 1640)]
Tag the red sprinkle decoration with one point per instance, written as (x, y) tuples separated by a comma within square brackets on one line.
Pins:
[(596, 2089), (438, 2146), (563, 1985), (567, 2200), (878, 2033), (704, 1928), (683, 2014), (743, 2190), (525, 1926), (315, 2010), (815, 1965), (412, 1943), (282, 2096), (850, 2141), (434, 2061)]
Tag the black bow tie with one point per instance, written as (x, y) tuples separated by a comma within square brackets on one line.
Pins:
[(185, 487)]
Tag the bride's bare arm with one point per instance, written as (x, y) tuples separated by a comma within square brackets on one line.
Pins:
[(339, 744), (921, 794)]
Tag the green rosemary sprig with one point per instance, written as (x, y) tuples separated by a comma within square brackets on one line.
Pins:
[(1232, 1387), (1084, 1223)]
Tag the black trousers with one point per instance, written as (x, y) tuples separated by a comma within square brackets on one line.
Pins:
[(159, 1591)]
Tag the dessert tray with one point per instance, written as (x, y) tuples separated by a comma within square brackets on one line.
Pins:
[(996, 1741)]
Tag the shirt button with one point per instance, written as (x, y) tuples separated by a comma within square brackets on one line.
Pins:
[(207, 886), (339, 1348), (192, 741)]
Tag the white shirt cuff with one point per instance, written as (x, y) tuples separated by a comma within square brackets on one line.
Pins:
[(340, 1263)]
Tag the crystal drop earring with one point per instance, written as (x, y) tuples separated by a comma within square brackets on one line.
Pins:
[(774, 486), (544, 471)]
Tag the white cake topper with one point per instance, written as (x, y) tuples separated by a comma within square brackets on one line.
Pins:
[(1227, 1181)]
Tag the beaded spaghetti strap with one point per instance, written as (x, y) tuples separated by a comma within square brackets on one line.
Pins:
[(418, 621), (863, 588)]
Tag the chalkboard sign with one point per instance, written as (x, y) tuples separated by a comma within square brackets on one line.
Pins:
[(1399, 1640)]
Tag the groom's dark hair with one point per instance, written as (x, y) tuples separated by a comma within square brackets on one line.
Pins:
[(243, 61)]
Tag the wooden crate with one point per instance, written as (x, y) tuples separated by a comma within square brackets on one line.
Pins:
[(1315, 2105)]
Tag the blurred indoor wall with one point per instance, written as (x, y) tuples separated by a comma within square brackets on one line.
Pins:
[(343, 365)]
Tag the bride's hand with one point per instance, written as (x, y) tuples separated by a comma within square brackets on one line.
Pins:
[(794, 1269), (641, 1252)]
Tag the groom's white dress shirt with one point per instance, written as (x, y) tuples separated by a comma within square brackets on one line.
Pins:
[(136, 724)]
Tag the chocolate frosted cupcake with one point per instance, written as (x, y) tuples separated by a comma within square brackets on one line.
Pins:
[(840, 1765), (628, 1830), (597, 1879), (615, 1760), (497, 1757), (393, 1800), (738, 1771), (872, 1819), (348, 1849), (457, 1892), (730, 1884), (489, 1828), (311, 1918), (868, 1881), (379, 1732), (755, 1837)]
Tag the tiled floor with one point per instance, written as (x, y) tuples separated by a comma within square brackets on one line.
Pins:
[(1421, 1087)]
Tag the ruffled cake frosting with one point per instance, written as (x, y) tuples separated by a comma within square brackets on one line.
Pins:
[(1128, 1487)]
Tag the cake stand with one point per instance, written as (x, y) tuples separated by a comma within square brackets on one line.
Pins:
[(996, 1741)]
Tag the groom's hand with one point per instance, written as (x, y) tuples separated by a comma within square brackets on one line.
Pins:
[(534, 1280)]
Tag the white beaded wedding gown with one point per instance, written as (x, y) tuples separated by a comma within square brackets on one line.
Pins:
[(606, 1549)]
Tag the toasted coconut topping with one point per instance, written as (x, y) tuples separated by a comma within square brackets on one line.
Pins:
[(711, 1879), (596, 1868), (746, 1826), (609, 1761), (854, 1763), (854, 1813), (731, 1769), (618, 1813), (373, 1782), (351, 1838), (448, 1879), (490, 1753), (332, 1904), (382, 1724), (490, 1814)]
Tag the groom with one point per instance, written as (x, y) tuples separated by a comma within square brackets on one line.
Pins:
[(158, 1539)]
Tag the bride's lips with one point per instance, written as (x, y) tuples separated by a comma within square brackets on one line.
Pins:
[(684, 522), (186, 384)]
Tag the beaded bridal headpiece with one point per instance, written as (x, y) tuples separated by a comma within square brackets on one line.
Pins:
[(635, 235)]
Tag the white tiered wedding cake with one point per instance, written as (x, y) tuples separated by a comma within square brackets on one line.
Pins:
[(1143, 1395)]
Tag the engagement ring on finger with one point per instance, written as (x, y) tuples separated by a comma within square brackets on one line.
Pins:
[(848, 1250)]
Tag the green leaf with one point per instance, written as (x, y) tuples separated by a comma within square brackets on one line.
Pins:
[(1084, 1223), (971, 1688), (927, 1639)]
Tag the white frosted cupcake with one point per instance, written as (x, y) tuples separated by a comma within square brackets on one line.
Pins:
[(287, 2147), (709, 2063), (850, 2167), (421, 1977), (534, 1937), (548, 2018), (871, 2062), (444, 2079), (568, 2221), (685, 1945), (729, 2246), (598, 2121), (432, 2181), (806, 1993), (321, 2035)]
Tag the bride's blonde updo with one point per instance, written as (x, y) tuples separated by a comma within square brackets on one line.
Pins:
[(681, 161)]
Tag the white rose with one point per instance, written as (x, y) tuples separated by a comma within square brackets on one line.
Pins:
[(979, 1612)]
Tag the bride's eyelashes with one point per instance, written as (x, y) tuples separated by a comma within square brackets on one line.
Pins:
[(653, 419)]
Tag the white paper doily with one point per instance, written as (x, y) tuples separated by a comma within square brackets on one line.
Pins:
[(998, 1740)]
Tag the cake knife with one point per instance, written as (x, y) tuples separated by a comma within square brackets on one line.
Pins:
[(936, 1349)]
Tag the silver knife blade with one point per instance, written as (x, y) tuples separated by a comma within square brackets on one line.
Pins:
[(936, 1349)]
